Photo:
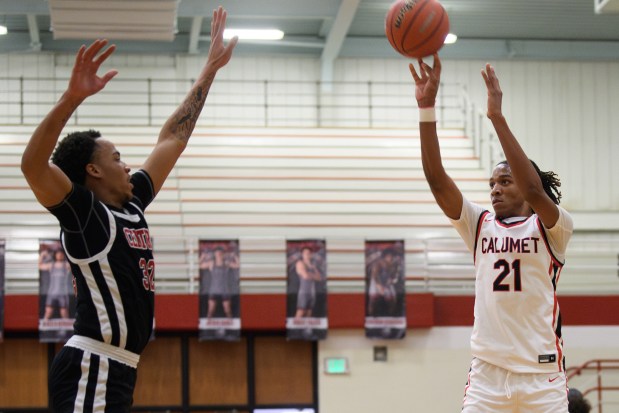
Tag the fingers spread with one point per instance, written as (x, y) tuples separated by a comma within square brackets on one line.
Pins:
[(411, 67), (109, 75), (80, 55), (94, 48), (103, 56), (232, 43)]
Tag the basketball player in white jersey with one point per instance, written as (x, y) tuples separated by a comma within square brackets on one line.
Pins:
[(518, 250), (100, 208)]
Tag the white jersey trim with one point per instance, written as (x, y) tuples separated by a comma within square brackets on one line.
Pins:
[(104, 252), (96, 347)]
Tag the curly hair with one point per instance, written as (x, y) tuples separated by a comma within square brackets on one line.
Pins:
[(74, 152), (550, 182), (577, 402)]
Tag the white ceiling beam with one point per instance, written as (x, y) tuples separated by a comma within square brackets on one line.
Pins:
[(33, 28), (606, 6), (336, 37), (153, 20), (194, 35)]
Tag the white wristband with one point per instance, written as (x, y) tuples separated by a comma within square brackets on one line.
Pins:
[(427, 115)]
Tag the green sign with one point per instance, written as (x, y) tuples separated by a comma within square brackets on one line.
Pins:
[(336, 365)]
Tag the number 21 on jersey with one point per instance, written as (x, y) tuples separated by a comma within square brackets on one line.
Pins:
[(499, 283)]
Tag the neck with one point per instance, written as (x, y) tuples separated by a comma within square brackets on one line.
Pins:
[(103, 195)]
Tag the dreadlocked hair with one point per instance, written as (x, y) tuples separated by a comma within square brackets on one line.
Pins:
[(550, 182), (74, 152)]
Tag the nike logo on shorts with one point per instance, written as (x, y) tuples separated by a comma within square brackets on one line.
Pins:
[(553, 379)]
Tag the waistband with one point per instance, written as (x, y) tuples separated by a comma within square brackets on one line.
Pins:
[(103, 349)]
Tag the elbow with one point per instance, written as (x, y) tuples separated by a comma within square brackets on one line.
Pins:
[(26, 166)]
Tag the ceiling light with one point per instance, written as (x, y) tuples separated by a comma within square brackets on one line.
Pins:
[(451, 38), (254, 34), (3, 30)]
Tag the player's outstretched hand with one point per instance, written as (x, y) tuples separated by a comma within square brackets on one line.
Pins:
[(218, 53), (495, 95), (84, 79), (426, 82)]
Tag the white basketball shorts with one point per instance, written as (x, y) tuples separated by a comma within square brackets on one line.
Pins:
[(491, 389)]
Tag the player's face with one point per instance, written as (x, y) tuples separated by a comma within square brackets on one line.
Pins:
[(307, 255), (114, 173), (219, 256), (507, 200)]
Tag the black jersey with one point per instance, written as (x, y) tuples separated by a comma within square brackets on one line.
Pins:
[(110, 252)]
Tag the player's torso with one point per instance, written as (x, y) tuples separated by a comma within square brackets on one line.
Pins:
[(116, 289), (515, 304)]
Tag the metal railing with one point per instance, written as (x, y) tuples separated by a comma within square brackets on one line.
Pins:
[(598, 367), (256, 103)]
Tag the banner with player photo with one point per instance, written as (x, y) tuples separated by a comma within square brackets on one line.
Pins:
[(2, 290), (56, 293), (385, 304), (220, 310), (306, 274)]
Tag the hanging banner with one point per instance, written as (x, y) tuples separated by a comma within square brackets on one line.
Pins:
[(2, 290), (385, 305), (306, 309), (56, 293), (220, 311)]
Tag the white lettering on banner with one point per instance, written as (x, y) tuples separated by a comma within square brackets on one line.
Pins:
[(56, 324), (379, 322), (219, 323), (306, 322)]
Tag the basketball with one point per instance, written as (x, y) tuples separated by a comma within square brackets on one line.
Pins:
[(416, 28)]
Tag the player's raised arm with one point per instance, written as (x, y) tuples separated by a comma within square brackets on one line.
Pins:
[(49, 184), (177, 130), (444, 189), (524, 173)]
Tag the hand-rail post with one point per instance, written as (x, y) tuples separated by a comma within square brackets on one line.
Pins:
[(149, 99), (599, 382), (21, 100), (426, 278)]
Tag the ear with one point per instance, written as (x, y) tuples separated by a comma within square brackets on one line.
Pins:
[(93, 171)]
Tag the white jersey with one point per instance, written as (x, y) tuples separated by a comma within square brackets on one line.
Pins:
[(517, 267)]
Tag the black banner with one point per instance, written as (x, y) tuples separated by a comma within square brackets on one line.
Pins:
[(220, 309), (2, 270), (56, 293), (306, 309), (385, 309)]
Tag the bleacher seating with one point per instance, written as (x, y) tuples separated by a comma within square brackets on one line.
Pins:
[(266, 185)]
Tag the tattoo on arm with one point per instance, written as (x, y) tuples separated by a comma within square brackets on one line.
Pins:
[(187, 114)]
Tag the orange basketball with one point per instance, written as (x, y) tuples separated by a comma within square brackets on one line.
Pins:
[(416, 28)]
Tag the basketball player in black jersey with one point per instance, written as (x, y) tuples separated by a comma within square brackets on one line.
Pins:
[(100, 207)]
